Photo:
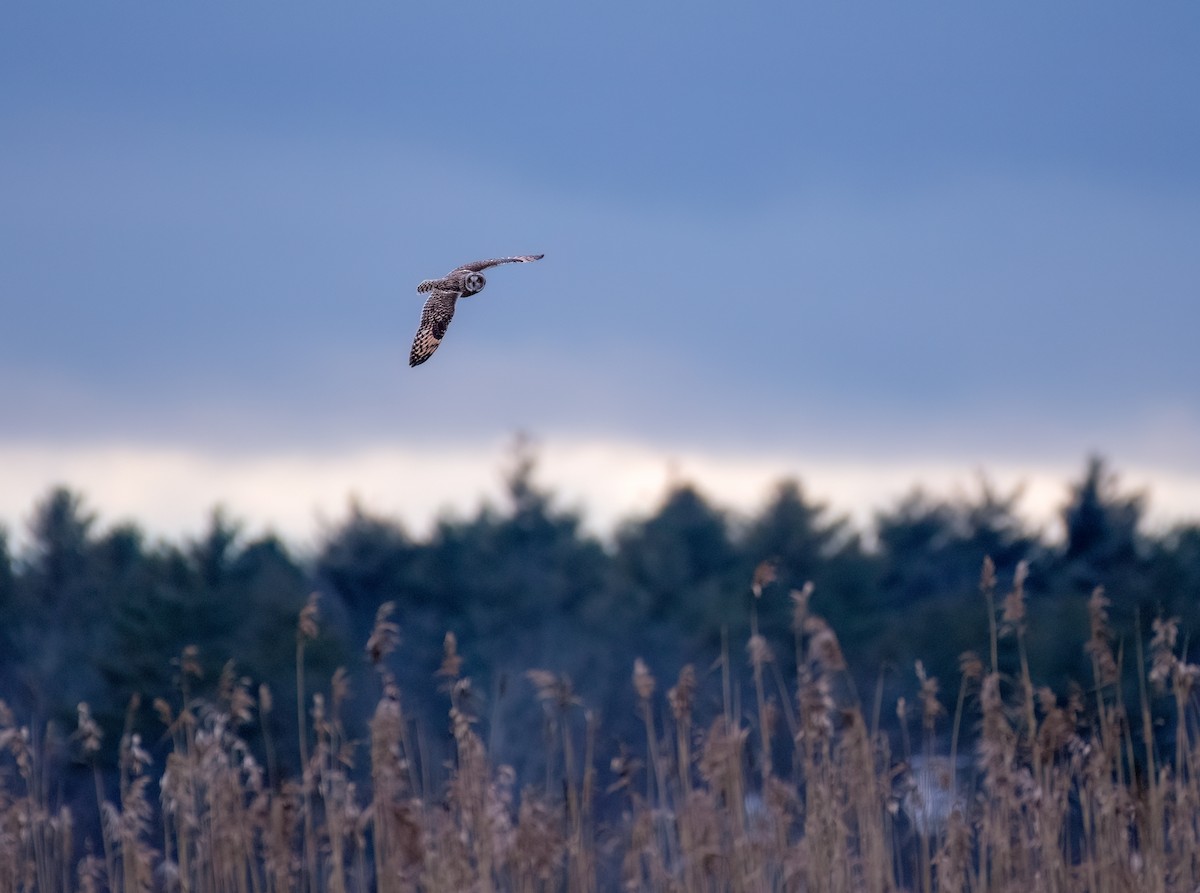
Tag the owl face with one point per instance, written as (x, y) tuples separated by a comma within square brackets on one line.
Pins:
[(472, 283)]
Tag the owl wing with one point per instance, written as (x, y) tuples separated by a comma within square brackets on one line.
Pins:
[(431, 284), (435, 318), (479, 265)]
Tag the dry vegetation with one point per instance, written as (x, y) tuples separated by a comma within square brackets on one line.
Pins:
[(793, 791)]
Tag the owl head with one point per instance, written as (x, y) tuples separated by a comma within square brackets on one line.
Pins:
[(472, 283)]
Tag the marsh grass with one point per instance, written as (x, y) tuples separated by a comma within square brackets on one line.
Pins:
[(1062, 791)]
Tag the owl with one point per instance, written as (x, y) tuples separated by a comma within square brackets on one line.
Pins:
[(460, 282)]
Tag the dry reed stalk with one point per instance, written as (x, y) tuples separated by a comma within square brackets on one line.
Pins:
[(307, 629), (681, 700), (130, 824), (660, 845), (36, 842), (987, 585), (398, 836), (555, 693), (90, 738), (1067, 799)]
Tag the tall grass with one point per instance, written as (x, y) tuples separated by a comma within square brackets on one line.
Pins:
[(1068, 791)]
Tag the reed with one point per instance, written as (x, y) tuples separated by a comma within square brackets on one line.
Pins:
[(1064, 791)]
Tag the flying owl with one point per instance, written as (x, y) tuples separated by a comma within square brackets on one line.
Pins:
[(460, 282)]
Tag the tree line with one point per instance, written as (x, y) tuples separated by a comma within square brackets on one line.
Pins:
[(113, 618)]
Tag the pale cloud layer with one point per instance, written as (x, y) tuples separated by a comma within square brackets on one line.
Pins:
[(170, 492)]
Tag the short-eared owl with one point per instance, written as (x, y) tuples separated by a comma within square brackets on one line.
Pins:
[(439, 309)]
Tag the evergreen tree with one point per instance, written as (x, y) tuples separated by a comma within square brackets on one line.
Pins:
[(365, 561), (508, 573), (1102, 544), (9, 658), (680, 566), (58, 610), (1174, 568), (934, 548), (807, 545), (7, 581), (263, 593), (915, 539), (60, 532), (931, 553)]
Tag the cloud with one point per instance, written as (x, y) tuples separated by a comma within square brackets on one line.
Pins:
[(169, 492)]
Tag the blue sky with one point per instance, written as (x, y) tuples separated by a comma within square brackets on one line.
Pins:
[(801, 237)]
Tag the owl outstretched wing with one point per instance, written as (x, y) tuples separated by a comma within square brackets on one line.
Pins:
[(435, 318), (480, 265)]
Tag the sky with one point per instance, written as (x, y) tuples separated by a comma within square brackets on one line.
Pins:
[(871, 245)]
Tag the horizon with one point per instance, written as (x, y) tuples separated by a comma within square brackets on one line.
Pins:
[(301, 497)]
